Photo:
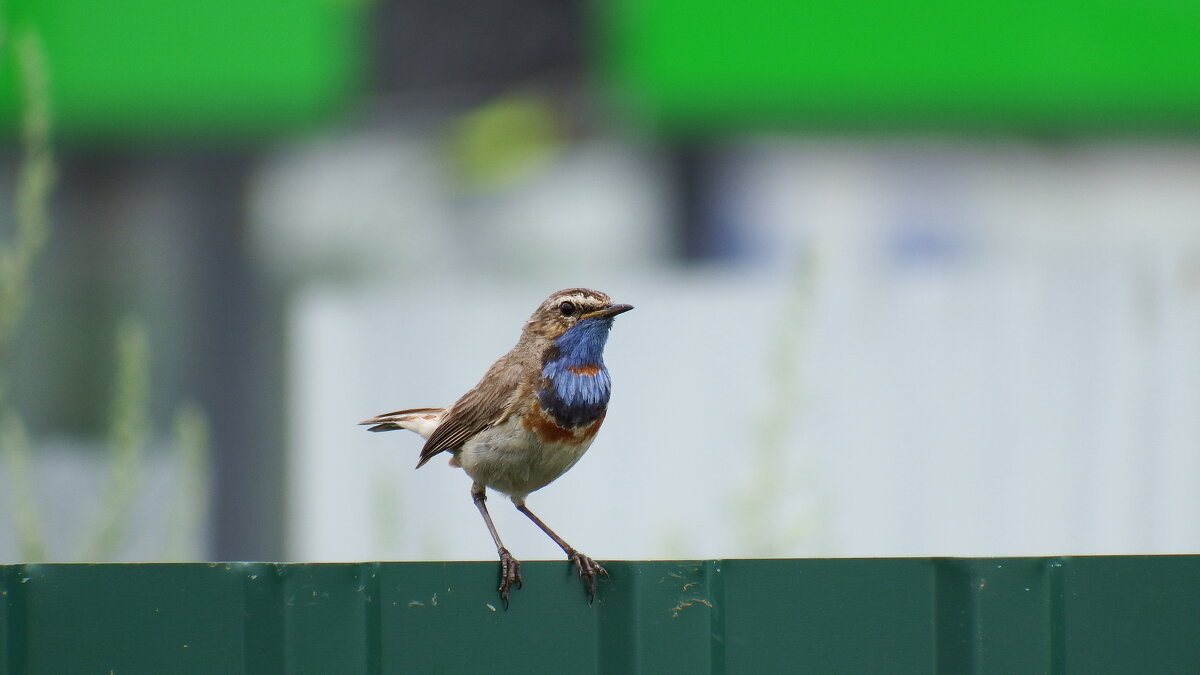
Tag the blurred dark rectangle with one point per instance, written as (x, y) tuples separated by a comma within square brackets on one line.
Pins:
[(137, 68), (422, 45), (1008, 64)]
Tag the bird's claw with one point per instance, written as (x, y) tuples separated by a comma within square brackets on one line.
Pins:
[(510, 573), (588, 569)]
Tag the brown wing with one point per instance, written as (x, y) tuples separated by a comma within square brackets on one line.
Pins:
[(488, 404)]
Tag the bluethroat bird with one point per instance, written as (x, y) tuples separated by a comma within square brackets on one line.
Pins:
[(530, 418)]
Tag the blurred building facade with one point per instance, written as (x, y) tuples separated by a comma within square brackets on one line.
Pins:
[(890, 338)]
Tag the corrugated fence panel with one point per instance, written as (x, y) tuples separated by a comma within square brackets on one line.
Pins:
[(898, 615)]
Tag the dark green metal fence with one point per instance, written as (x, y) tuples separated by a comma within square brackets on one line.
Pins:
[(1108, 614)]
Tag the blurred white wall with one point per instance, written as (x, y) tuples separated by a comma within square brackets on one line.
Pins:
[(929, 348)]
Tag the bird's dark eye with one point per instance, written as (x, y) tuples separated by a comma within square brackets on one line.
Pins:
[(567, 308)]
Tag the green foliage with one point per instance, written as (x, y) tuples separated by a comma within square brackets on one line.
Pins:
[(764, 526), (17, 256), (130, 426), (129, 433), (504, 140), (192, 438), (35, 180), (17, 460)]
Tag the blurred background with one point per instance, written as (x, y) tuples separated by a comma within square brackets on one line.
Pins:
[(910, 279)]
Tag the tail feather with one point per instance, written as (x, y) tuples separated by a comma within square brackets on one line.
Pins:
[(420, 420)]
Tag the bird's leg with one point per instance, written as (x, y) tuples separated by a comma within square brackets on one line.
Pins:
[(588, 568), (510, 567)]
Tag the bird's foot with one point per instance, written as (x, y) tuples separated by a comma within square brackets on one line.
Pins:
[(588, 569), (510, 573)]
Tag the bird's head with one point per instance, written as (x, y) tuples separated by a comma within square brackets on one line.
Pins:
[(569, 308)]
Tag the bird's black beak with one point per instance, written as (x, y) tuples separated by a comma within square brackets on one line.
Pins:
[(611, 310)]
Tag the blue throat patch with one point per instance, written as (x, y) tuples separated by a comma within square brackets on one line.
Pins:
[(578, 386)]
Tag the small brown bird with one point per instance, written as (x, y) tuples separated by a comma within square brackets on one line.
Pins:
[(530, 418)]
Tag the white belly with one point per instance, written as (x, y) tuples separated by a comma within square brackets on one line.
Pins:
[(511, 459)]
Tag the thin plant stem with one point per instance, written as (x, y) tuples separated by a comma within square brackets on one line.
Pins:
[(193, 443), (35, 180), (14, 442), (128, 433)]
